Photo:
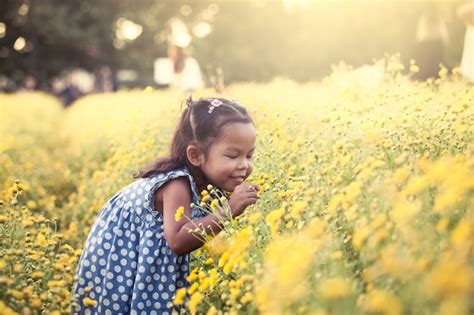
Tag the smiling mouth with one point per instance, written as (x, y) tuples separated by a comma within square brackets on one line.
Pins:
[(238, 178)]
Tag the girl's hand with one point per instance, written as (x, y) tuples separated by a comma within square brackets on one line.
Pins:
[(243, 196)]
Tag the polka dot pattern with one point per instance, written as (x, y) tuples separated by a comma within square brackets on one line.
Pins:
[(126, 261)]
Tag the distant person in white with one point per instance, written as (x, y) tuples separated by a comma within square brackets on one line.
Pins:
[(179, 69), (187, 73), (466, 13)]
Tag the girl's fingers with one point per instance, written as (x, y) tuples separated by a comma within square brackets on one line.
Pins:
[(250, 194), (248, 186), (246, 192), (251, 201), (252, 187)]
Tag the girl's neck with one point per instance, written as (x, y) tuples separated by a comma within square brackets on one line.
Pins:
[(199, 178)]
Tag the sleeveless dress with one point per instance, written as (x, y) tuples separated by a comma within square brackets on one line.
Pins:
[(127, 266)]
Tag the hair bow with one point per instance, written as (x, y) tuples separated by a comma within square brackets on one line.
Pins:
[(214, 103), (189, 101)]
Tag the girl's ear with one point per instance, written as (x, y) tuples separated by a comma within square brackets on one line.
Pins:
[(194, 155)]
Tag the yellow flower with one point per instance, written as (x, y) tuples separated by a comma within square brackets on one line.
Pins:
[(335, 288), (227, 268), (213, 277), (443, 72), (17, 268), (442, 225), (194, 301), (214, 204), (3, 219), (383, 302), (246, 298), (223, 259), (297, 208), (31, 204), (89, 302), (41, 240), (462, 234), (179, 214), (204, 284), (234, 294), (454, 305), (217, 245), (449, 277), (414, 68), (396, 262), (179, 298), (448, 197), (334, 203), (401, 175), (336, 255), (16, 294), (353, 190), (193, 288), (6, 310), (68, 248), (415, 186), (359, 237), (284, 284), (254, 218), (56, 283), (193, 275), (404, 211), (36, 303), (315, 228), (212, 311), (273, 219)]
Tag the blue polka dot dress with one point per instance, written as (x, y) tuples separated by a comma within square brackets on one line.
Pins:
[(126, 266)]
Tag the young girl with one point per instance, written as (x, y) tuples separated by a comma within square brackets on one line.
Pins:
[(137, 254)]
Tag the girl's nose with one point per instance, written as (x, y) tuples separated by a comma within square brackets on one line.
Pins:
[(243, 164)]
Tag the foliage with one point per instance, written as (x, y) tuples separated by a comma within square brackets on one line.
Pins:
[(366, 202), (249, 41)]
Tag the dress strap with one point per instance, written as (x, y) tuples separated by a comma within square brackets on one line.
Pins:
[(158, 180)]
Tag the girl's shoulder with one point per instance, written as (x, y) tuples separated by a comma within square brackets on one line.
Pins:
[(183, 171), (141, 194), (170, 175), (155, 181)]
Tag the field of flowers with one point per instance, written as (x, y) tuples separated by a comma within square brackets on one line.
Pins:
[(366, 205)]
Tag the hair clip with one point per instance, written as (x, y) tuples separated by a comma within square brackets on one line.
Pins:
[(214, 103), (189, 101), (236, 102)]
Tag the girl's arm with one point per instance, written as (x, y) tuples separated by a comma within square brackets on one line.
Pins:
[(177, 193)]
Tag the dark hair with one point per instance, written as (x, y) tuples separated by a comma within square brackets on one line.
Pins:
[(200, 124), (179, 62)]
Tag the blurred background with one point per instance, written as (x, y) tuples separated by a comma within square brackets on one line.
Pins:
[(99, 46)]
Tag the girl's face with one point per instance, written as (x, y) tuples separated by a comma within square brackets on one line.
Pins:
[(229, 159)]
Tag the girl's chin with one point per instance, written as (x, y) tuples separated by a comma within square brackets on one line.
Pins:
[(234, 182), (227, 188)]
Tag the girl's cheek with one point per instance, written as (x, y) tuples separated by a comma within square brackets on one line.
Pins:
[(250, 169)]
